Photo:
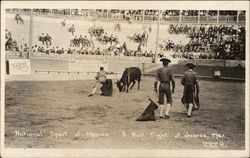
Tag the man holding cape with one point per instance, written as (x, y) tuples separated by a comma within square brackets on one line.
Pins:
[(191, 90)]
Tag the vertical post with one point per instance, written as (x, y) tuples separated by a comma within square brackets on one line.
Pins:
[(218, 14), (30, 33), (143, 15), (157, 36), (237, 16), (180, 16), (107, 14), (198, 16), (120, 15), (207, 15), (160, 12)]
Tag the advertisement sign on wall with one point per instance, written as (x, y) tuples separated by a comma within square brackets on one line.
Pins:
[(19, 66)]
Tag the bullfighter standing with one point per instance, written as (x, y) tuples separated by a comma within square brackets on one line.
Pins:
[(165, 76), (191, 85)]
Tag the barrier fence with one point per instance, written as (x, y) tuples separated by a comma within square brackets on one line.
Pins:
[(23, 55), (144, 74), (230, 69), (128, 59)]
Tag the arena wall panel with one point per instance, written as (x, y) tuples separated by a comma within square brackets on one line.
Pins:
[(19, 66), (233, 63), (207, 62), (49, 64), (229, 69), (202, 70), (119, 66), (63, 64)]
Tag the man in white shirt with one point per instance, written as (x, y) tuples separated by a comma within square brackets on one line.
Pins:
[(101, 78), (217, 74)]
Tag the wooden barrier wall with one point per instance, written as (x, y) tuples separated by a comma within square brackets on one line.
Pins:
[(118, 64)]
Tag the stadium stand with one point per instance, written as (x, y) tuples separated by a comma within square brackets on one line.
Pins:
[(205, 41), (194, 16)]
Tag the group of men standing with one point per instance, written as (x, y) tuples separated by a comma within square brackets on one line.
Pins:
[(166, 78)]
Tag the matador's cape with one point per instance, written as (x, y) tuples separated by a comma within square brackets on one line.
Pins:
[(196, 102), (107, 88), (149, 114)]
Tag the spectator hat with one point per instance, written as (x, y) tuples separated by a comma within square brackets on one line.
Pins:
[(165, 60), (190, 65)]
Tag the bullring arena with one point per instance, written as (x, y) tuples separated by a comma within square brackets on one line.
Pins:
[(49, 107)]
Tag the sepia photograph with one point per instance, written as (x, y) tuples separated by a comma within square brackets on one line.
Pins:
[(125, 79)]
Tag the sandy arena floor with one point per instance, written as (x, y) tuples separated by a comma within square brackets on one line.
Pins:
[(58, 114)]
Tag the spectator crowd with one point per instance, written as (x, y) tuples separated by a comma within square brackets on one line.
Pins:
[(224, 41), (10, 43), (205, 42)]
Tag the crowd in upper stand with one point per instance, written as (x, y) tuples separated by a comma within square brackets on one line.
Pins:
[(210, 41), (10, 43), (206, 42), (224, 41)]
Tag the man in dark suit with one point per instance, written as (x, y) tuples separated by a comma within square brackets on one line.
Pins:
[(191, 85)]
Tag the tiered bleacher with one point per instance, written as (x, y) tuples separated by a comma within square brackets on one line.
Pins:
[(218, 34), (194, 16)]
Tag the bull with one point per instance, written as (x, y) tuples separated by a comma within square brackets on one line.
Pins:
[(130, 75)]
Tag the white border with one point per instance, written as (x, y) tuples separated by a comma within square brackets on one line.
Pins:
[(212, 5)]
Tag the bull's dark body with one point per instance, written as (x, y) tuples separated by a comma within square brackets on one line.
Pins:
[(130, 75)]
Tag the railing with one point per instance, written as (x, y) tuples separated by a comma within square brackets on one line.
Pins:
[(189, 19), (23, 55), (242, 18), (144, 74), (227, 19), (115, 16), (208, 19), (142, 18), (170, 18), (15, 54), (70, 72)]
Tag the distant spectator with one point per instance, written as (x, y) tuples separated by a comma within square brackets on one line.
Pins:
[(217, 74)]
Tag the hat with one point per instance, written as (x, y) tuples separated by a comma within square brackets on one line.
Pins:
[(190, 65), (165, 60)]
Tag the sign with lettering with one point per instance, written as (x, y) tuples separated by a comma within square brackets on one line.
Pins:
[(19, 66), (87, 65)]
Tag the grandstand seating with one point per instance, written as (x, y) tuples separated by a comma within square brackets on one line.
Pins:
[(202, 50), (172, 16)]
